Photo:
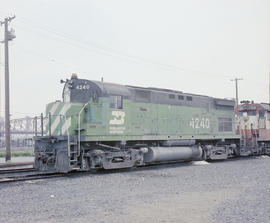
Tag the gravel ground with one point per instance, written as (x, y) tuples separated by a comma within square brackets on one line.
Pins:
[(226, 191)]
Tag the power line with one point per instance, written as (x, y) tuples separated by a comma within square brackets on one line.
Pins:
[(82, 44), (50, 59)]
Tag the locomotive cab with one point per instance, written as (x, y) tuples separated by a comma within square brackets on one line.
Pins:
[(80, 91), (99, 105)]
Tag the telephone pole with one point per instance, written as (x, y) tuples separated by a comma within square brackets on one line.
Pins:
[(236, 88), (9, 36)]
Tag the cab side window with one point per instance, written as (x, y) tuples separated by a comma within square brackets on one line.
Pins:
[(116, 102)]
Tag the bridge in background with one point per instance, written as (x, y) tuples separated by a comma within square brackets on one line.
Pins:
[(22, 130)]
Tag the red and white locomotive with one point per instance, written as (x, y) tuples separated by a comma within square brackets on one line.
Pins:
[(253, 124)]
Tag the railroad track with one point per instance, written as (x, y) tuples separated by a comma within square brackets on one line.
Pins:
[(17, 164), (25, 174), (8, 179), (12, 172), (15, 168), (20, 170)]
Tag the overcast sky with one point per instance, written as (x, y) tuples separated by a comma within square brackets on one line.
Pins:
[(193, 46)]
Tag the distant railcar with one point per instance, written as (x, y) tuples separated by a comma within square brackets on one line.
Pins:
[(105, 125), (254, 126)]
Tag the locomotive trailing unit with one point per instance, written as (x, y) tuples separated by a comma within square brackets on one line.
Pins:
[(105, 125), (254, 126)]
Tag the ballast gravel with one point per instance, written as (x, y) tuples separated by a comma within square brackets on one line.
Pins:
[(237, 190)]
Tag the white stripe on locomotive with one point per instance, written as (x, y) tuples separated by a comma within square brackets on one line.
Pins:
[(66, 126), (54, 108), (57, 119)]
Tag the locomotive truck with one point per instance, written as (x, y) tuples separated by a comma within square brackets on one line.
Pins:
[(99, 125)]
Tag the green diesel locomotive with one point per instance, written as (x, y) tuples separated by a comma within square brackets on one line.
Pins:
[(105, 125)]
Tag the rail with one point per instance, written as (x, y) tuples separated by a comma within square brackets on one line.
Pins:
[(34, 175)]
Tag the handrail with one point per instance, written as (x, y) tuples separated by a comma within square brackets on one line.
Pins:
[(50, 120), (79, 130), (67, 134), (41, 120)]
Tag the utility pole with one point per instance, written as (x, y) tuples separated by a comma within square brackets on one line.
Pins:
[(236, 88), (9, 36)]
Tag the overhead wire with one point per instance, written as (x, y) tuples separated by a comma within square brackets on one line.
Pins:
[(49, 58), (98, 48)]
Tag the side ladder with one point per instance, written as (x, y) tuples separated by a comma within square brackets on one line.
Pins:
[(73, 154)]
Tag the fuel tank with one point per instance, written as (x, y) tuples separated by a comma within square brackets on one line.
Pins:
[(181, 153)]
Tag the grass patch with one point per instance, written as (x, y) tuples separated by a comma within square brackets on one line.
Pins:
[(18, 153)]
